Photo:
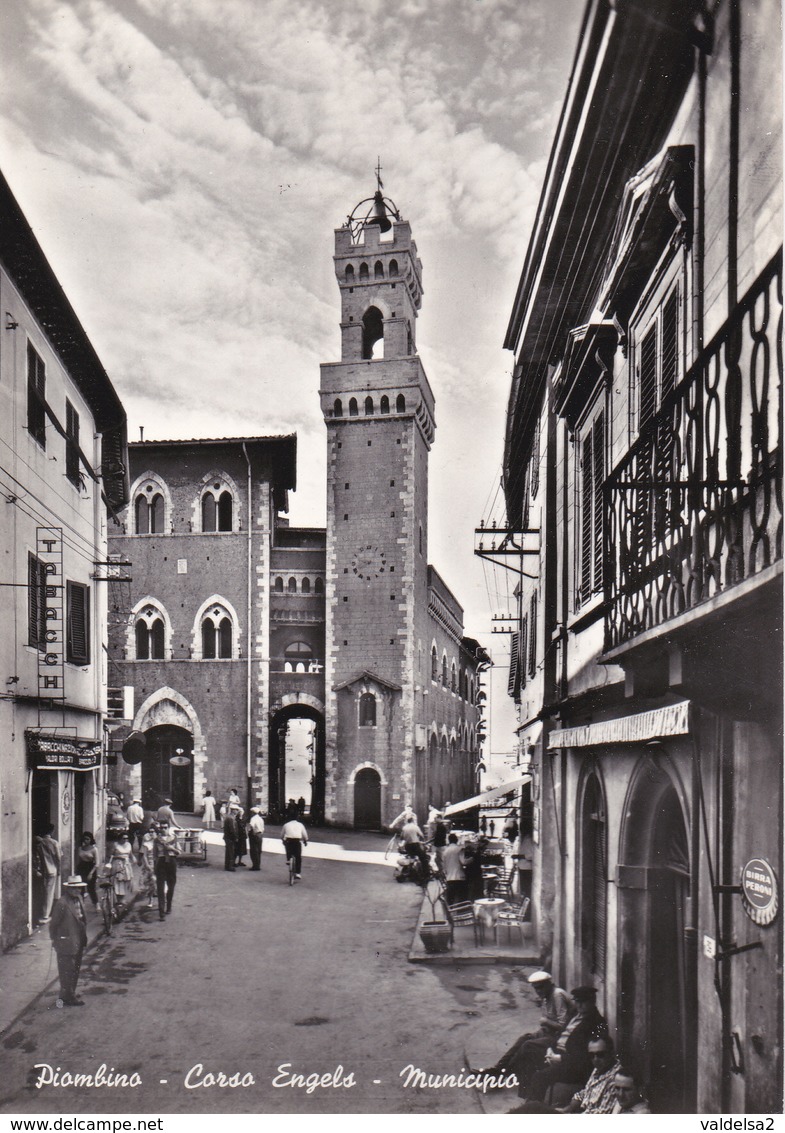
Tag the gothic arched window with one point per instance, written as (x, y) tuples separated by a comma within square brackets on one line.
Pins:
[(369, 406), (337, 408), (149, 513), (393, 267), (150, 635), (363, 271), (319, 586), (378, 270), (373, 333), (305, 586), (384, 404), (292, 587), (434, 664), (400, 404), (278, 587), (216, 507), (367, 710), (353, 407), (217, 635), (444, 670), (349, 273)]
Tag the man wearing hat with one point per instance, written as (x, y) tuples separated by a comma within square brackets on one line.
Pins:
[(68, 930), (165, 855), (230, 836), (567, 1059), (527, 1054), (255, 837), (135, 817)]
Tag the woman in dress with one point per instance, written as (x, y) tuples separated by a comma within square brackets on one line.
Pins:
[(147, 863), (122, 870), (208, 813), (87, 864)]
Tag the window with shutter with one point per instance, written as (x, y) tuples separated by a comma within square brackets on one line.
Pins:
[(77, 623), (36, 602), (670, 345), (36, 396), (648, 377), (72, 445), (533, 635), (598, 454), (514, 679), (590, 556)]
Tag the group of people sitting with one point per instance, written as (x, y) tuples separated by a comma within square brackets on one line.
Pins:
[(571, 1048)]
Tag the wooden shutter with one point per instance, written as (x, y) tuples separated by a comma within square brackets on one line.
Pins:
[(514, 680), (598, 445), (78, 619), (33, 600), (587, 474), (670, 345), (533, 635), (648, 377)]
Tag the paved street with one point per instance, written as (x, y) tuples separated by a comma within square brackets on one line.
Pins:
[(248, 975)]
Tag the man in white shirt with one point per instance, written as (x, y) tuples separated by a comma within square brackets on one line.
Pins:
[(135, 817), (294, 836), (255, 837)]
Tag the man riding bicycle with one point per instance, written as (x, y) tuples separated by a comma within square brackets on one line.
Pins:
[(294, 836)]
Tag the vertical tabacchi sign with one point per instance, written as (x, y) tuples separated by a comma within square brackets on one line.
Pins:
[(49, 547)]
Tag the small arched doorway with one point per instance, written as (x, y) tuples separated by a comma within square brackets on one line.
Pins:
[(163, 779), (367, 799), (658, 1006)]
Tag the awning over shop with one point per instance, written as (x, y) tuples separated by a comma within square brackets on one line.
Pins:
[(487, 796), (672, 720)]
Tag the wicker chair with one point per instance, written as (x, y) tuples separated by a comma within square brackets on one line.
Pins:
[(461, 915), (514, 918)]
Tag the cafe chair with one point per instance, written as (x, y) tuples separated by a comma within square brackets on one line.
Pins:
[(514, 918), (461, 915)]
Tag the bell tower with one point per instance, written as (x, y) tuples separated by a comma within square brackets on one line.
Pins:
[(379, 411)]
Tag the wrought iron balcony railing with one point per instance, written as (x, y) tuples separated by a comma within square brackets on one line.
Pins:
[(695, 506)]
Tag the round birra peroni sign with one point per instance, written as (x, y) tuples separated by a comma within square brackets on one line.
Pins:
[(759, 891)]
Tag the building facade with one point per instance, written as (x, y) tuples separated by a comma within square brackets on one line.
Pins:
[(643, 454), (231, 629), (62, 466)]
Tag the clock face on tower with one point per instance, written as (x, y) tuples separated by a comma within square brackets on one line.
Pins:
[(369, 562)]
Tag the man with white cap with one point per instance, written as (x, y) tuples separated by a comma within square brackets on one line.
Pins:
[(135, 818), (256, 837), (68, 930), (527, 1054)]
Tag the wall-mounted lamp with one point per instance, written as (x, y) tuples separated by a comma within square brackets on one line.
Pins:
[(10, 322)]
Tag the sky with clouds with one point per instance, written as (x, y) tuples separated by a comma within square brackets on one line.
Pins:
[(184, 164)]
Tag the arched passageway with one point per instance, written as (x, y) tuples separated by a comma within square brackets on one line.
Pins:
[(297, 761)]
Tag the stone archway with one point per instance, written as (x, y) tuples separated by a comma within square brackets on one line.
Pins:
[(171, 728), (657, 1007), (368, 799), (292, 709)]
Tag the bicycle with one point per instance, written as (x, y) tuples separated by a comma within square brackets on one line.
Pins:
[(292, 868), (108, 907)]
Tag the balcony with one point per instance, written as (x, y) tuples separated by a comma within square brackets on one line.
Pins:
[(695, 507)]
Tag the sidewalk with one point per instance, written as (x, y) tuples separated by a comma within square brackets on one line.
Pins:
[(510, 948)]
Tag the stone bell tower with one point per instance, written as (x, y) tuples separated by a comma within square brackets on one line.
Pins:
[(379, 412)]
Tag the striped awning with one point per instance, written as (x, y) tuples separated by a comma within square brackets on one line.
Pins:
[(672, 720), (487, 796)]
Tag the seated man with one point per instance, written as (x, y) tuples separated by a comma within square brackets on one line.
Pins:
[(567, 1060), (599, 1093), (628, 1094), (527, 1054)]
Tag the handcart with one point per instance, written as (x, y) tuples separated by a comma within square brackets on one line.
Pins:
[(192, 846)]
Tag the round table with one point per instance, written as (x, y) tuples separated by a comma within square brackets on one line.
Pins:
[(486, 911)]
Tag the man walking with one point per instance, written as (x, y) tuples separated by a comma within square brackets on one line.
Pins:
[(166, 814), (294, 836), (256, 837), (165, 855), (68, 930), (135, 816), (46, 863), (230, 834)]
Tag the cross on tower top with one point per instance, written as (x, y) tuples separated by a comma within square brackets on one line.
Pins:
[(378, 171)]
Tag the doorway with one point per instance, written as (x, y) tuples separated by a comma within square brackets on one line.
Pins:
[(367, 799), (162, 779), (296, 765)]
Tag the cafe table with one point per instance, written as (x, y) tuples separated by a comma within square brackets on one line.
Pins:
[(486, 912)]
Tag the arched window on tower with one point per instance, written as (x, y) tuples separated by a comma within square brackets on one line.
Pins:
[(296, 657), (444, 670), (400, 404), (337, 408), (393, 267), (434, 664), (149, 513), (305, 586), (216, 634), (292, 587), (353, 407), (384, 404), (349, 273), (453, 679), (278, 587), (378, 270), (369, 406), (409, 339), (373, 333), (367, 710), (150, 635), (363, 271), (217, 507), (319, 586)]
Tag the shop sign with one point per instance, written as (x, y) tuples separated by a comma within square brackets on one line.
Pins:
[(759, 891), (61, 753)]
